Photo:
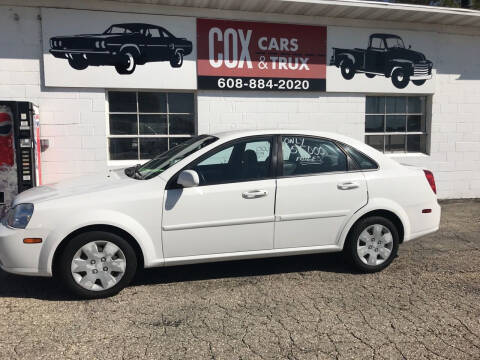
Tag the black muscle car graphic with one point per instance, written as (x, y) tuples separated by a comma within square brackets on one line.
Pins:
[(122, 45), (387, 56)]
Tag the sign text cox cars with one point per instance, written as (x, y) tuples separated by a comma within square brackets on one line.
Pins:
[(260, 56)]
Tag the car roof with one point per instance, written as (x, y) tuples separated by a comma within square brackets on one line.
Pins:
[(384, 36), (137, 25), (244, 133)]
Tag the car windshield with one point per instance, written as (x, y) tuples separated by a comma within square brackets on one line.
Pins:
[(394, 42), (169, 158), (116, 29)]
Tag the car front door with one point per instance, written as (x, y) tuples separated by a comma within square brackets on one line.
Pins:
[(376, 56), (157, 47), (232, 209), (316, 194)]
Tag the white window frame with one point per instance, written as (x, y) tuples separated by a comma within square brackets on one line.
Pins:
[(123, 163)]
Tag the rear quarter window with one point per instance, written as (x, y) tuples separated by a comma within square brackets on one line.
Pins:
[(362, 160)]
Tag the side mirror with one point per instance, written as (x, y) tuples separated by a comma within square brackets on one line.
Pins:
[(409, 46), (188, 178)]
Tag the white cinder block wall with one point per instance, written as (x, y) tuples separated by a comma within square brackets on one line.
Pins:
[(231, 110), (455, 132), (73, 119)]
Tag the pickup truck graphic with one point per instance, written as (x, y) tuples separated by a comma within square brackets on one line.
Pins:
[(123, 46), (387, 56)]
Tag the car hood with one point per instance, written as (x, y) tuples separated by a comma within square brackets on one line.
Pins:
[(88, 36), (407, 54), (75, 186)]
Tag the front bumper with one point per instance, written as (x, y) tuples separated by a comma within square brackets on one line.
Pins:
[(92, 57), (420, 77), (17, 257)]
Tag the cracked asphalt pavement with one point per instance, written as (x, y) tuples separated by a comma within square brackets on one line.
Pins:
[(426, 305)]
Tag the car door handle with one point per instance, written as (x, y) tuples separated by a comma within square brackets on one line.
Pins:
[(347, 185), (254, 194)]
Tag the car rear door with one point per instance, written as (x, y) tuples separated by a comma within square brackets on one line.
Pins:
[(316, 194), (231, 211)]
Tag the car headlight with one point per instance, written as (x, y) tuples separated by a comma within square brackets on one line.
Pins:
[(102, 44), (59, 43), (97, 44), (19, 216)]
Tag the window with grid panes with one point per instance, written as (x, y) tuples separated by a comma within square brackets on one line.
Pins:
[(144, 124), (396, 123)]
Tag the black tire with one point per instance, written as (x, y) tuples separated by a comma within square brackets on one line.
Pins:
[(176, 60), (78, 62), (350, 248), (418, 82), (64, 263), (348, 69), (370, 76), (128, 62), (399, 78)]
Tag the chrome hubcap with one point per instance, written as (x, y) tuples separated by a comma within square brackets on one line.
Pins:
[(98, 265), (130, 62), (375, 244)]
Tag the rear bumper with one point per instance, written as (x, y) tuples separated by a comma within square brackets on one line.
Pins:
[(17, 257), (425, 224)]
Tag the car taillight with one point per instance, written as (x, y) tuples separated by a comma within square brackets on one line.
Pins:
[(431, 180)]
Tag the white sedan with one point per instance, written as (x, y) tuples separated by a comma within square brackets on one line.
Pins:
[(227, 196)]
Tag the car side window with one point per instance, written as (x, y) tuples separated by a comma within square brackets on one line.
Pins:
[(221, 157), (154, 32), (304, 155), (362, 160), (243, 161)]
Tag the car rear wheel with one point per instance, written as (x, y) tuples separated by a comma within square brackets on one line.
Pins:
[(127, 64), (372, 244), (399, 78), (419, 82), (176, 60), (96, 264), (78, 62), (347, 68)]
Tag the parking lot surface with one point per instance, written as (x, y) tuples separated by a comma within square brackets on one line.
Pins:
[(426, 305)]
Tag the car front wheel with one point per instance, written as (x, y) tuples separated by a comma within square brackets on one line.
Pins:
[(399, 78), (78, 62), (372, 244), (96, 264), (419, 82)]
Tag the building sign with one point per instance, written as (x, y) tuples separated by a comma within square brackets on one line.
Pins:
[(235, 55), (380, 61), (120, 50)]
